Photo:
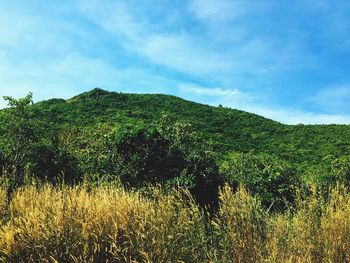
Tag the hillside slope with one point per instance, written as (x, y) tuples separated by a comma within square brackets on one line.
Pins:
[(227, 129)]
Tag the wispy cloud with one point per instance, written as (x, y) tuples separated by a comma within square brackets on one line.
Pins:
[(38, 33), (198, 54), (180, 51), (114, 17), (74, 73), (219, 92), (218, 10), (234, 98), (216, 95), (267, 57), (296, 116), (333, 99), (184, 54)]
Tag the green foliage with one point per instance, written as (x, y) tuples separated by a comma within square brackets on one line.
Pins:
[(90, 148), (227, 129), (145, 155), (18, 134), (272, 180), (26, 150), (332, 171), (149, 139), (50, 161), (143, 140)]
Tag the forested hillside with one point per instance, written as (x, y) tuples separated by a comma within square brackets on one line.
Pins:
[(111, 177), (141, 139), (227, 129)]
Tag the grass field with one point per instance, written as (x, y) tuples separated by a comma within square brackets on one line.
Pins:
[(109, 224)]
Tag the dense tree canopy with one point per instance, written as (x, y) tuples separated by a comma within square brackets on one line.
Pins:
[(273, 180), (25, 148), (227, 129)]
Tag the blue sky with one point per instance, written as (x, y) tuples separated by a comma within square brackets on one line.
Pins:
[(287, 60)]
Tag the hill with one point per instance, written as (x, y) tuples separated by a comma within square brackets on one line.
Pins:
[(70, 163), (228, 129)]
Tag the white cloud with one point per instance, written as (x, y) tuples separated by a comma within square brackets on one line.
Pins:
[(184, 53), (234, 98), (218, 10), (179, 51), (217, 51), (333, 98), (30, 32), (210, 91), (294, 116), (216, 95), (15, 29), (68, 75), (114, 17)]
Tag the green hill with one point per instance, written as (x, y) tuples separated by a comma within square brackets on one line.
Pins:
[(227, 129)]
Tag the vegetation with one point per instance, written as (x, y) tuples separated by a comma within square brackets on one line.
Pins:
[(43, 223), (227, 129), (273, 180), (153, 178)]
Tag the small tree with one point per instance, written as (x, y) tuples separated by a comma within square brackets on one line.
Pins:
[(140, 155), (331, 171), (26, 148), (272, 180), (170, 156), (18, 131)]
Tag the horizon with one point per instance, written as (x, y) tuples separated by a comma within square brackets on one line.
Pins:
[(284, 61)]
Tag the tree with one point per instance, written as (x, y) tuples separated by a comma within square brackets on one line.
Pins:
[(18, 131), (141, 155), (331, 171), (25, 147), (170, 156), (272, 180)]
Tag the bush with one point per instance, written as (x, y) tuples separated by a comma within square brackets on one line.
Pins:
[(332, 171), (272, 180), (51, 162), (2, 162), (26, 149), (144, 155)]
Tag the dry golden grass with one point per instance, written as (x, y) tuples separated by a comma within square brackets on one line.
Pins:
[(77, 225), (239, 227), (318, 231), (293, 237), (109, 224), (335, 227), (3, 193)]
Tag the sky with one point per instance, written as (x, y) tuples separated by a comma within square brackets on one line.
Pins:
[(288, 60)]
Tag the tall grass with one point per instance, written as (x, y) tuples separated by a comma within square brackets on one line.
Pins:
[(318, 230), (109, 224), (105, 223), (238, 227)]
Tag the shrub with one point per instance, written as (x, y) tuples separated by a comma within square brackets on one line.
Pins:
[(273, 181), (332, 171), (144, 155)]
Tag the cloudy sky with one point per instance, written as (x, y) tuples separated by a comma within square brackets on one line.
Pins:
[(287, 60)]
